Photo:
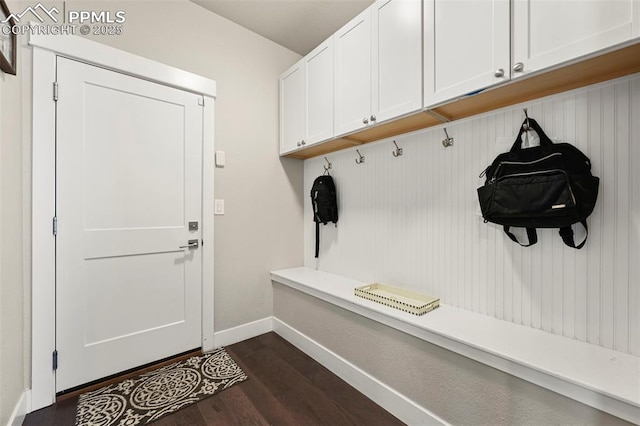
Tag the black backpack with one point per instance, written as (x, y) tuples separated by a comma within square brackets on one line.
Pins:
[(547, 186), (324, 203)]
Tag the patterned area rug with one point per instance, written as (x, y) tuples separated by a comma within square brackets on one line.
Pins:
[(150, 396)]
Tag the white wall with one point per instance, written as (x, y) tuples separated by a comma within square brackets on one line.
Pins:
[(261, 228), (413, 221), (12, 350)]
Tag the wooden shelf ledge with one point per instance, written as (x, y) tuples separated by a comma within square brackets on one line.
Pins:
[(621, 61)]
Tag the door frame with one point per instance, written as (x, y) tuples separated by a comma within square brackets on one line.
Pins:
[(45, 50)]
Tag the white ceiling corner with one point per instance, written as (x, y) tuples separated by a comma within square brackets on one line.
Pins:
[(299, 25)]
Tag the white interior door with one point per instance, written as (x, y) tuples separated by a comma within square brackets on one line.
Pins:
[(128, 182)]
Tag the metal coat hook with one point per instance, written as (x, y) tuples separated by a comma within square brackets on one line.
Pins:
[(398, 151), (526, 125), (327, 167), (447, 142), (361, 159)]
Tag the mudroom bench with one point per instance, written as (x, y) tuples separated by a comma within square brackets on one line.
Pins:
[(598, 377)]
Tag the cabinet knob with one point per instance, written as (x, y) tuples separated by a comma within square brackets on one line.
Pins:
[(499, 73), (303, 142), (365, 120), (373, 117), (518, 67), (299, 143)]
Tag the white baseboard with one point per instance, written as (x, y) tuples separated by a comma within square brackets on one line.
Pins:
[(397, 404), (22, 408), (242, 332)]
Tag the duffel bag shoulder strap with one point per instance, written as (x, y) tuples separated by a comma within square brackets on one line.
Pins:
[(567, 235), (532, 124), (532, 235)]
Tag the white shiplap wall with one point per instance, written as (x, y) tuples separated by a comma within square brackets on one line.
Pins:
[(414, 221)]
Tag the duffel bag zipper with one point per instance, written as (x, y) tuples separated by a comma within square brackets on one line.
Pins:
[(521, 163), (544, 172)]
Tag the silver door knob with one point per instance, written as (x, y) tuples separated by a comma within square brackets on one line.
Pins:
[(373, 117), (499, 73), (191, 244), (299, 143), (365, 120), (518, 67)]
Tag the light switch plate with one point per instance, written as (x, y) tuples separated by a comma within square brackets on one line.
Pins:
[(218, 208), (220, 159)]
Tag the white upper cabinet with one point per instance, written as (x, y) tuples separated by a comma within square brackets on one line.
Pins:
[(378, 65), (466, 47), (546, 33), (401, 56), (319, 93), (353, 74), (396, 58), (292, 108)]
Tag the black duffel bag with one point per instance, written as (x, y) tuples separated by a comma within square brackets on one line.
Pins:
[(547, 186)]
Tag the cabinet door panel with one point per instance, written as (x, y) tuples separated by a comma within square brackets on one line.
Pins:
[(396, 58), (319, 84), (292, 116), (466, 42), (547, 33), (353, 74)]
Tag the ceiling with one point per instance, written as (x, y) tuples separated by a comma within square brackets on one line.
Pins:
[(299, 25)]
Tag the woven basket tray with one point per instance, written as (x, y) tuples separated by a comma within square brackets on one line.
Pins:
[(398, 298)]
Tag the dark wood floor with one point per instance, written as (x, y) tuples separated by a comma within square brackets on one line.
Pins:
[(285, 387)]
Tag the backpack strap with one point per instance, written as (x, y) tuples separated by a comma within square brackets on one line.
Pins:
[(532, 235), (567, 235), (317, 238)]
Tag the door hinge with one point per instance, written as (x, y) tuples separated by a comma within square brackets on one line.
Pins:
[(55, 91), (55, 226), (201, 101), (55, 360)]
